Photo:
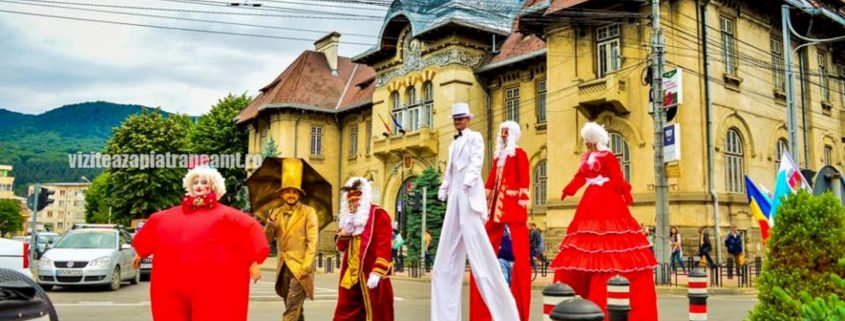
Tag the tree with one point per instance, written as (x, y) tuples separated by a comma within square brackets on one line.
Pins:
[(435, 209), (801, 255), (217, 133), (831, 308), (10, 216), (138, 192), (97, 200)]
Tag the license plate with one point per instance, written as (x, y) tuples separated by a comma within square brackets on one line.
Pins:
[(69, 272), (146, 266)]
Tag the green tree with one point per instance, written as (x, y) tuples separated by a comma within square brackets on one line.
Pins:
[(830, 308), (801, 255), (138, 192), (269, 149), (430, 179), (216, 133), (97, 200), (11, 219)]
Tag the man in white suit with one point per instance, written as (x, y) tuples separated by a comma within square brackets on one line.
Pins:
[(463, 231)]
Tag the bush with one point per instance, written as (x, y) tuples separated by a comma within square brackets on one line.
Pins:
[(436, 209), (801, 258)]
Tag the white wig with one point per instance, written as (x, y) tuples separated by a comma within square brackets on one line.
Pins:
[(218, 184), (507, 149), (596, 134), (354, 223)]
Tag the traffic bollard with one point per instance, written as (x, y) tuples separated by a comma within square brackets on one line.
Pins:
[(618, 298), (697, 295), (576, 309), (554, 294)]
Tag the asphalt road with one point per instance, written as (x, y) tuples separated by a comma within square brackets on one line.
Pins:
[(132, 303)]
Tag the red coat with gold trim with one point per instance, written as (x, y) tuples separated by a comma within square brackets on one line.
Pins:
[(507, 200)]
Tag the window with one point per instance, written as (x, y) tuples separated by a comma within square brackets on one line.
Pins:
[(61, 225), (728, 45), (369, 134), (316, 141), (824, 85), (540, 183), (512, 104), (62, 193), (780, 147), (840, 70), (828, 155), (262, 140), (61, 203), (428, 104), (541, 101), (398, 112), (734, 162), (777, 65), (412, 124), (607, 49), (619, 147), (353, 141), (49, 214)]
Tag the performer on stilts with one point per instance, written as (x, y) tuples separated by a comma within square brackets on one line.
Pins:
[(507, 199), (603, 239), (463, 231), (364, 235)]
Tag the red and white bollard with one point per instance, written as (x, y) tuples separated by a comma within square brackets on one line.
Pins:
[(618, 298), (697, 295), (554, 294)]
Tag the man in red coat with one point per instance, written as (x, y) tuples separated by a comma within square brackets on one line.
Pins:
[(205, 253), (364, 235), (507, 199)]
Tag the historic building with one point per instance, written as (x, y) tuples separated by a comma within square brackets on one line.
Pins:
[(552, 66)]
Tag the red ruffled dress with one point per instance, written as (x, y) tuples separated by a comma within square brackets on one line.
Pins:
[(604, 240)]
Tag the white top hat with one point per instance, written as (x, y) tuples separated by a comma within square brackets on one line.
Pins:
[(460, 110)]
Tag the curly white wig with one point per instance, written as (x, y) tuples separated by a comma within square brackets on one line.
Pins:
[(218, 184), (596, 134), (506, 149), (354, 223)]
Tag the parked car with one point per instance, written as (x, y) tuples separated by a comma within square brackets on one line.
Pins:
[(14, 256), (43, 241), (89, 255)]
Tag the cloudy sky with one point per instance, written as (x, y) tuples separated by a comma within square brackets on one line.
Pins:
[(47, 62)]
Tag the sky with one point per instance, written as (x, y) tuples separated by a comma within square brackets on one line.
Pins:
[(47, 62)]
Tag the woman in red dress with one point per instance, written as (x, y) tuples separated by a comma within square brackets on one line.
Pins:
[(603, 239)]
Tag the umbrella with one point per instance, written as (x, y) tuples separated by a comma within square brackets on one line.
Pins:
[(265, 181)]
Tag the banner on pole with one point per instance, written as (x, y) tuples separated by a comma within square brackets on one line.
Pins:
[(671, 143), (672, 88)]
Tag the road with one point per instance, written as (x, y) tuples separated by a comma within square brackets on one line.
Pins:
[(131, 303)]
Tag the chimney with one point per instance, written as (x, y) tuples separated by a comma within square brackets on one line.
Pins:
[(327, 45)]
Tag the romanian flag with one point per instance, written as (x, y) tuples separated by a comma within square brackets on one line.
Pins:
[(788, 182), (761, 206), (396, 124)]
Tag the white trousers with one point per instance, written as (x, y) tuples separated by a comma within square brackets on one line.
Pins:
[(463, 234)]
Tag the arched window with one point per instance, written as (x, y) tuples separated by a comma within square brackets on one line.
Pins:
[(428, 104), (398, 112), (394, 100), (780, 147), (620, 149), (540, 183), (734, 167), (413, 113)]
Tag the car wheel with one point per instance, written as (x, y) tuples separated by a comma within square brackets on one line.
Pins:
[(115, 280), (136, 279), (11, 275)]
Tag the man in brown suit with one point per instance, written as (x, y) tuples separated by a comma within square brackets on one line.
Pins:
[(294, 226)]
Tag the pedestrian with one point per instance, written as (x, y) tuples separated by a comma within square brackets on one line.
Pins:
[(364, 236), (294, 227), (604, 240), (505, 255), (427, 238), (219, 247), (463, 231), (396, 244), (507, 202), (675, 245), (704, 247), (733, 242), (538, 247)]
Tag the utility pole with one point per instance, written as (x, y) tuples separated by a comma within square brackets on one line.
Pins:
[(33, 246), (661, 184), (791, 113), (423, 248)]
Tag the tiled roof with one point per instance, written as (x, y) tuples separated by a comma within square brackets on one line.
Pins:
[(516, 45), (308, 83), (558, 5)]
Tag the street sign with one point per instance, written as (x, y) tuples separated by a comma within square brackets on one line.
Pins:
[(671, 143), (672, 88)]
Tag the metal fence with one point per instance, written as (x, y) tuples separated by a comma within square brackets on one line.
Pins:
[(720, 275)]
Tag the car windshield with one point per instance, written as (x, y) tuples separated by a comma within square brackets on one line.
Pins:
[(88, 240)]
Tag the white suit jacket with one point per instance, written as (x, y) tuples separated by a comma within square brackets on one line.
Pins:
[(467, 155)]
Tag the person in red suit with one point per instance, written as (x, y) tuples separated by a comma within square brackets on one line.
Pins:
[(204, 254), (364, 235), (603, 239), (507, 199)]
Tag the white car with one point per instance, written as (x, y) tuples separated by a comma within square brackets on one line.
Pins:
[(89, 256), (14, 256)]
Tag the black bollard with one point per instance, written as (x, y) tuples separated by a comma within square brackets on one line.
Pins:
[(554, 294), (577, 309), (618, 298)]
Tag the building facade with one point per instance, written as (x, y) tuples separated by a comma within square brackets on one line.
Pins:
[(67, 209), (7, 182), (552, 66)]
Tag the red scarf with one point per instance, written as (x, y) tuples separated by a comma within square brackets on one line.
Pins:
[(192, 203)]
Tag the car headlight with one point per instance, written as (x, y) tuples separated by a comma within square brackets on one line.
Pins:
[(45, 262), (101, 262)]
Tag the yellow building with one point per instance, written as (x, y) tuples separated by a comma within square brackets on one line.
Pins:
[(7, 182), (552, 66), (67, 209)]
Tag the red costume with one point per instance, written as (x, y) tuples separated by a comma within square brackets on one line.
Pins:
[(359, 302), (202, 253), (604, 240), (507, 189)]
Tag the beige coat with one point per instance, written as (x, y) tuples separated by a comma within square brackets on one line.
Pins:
[(296, 245)]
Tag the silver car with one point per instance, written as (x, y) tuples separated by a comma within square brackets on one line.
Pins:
[(89, 256)]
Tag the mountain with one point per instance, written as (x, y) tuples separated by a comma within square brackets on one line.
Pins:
[(37, 146)]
